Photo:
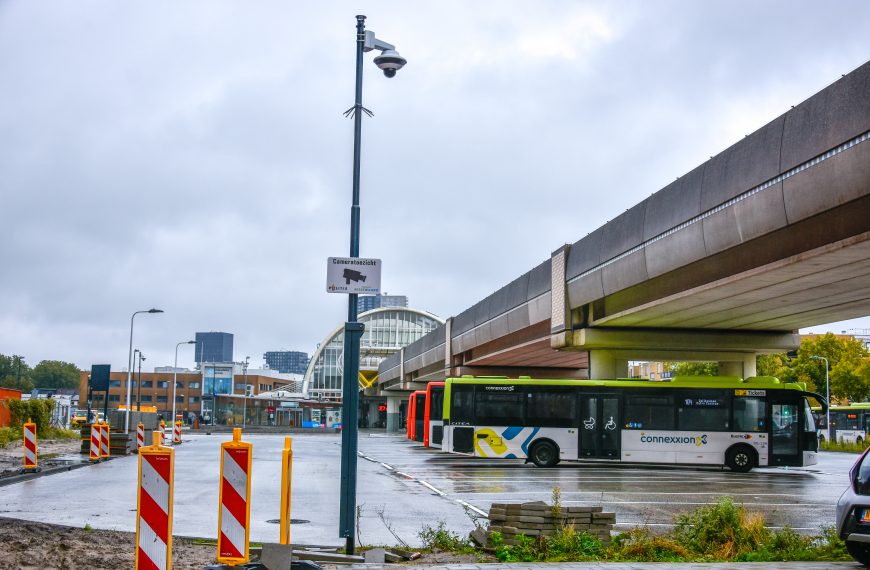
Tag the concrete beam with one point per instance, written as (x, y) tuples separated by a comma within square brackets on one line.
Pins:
[(674, 344)]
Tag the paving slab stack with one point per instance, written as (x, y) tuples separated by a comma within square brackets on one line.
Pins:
[(539, 519)]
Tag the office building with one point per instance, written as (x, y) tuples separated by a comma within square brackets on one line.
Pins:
[(368, 302), (214, 347), (287, 361)]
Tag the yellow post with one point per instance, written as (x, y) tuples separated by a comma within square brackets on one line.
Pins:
[(286, 489)]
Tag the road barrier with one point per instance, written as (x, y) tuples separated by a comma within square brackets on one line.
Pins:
[(31, 460), (234, 507), (176, 434), (104, 441), (162, 432), (140, 436), (154, 506), (94, 454), (286, 489)]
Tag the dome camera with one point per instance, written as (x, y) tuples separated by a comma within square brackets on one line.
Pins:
[(390, 62)]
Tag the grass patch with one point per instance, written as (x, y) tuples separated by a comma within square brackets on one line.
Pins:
[(843, 447), (722, 532), (441, 538), (10, 434)]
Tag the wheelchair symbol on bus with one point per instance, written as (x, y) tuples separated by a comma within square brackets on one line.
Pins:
[(610, 425)]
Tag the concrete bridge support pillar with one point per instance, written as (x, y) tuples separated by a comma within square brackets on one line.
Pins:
[(744, 368), (604, 365), (394, 416)]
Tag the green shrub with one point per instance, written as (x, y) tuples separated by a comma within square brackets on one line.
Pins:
[(722, 531), (566, 544), (640, 545), (441, 538), (10, 434), (39, 411), (526, 549)]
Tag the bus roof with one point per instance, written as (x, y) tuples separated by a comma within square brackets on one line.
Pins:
[(852, 406), (756, 382)]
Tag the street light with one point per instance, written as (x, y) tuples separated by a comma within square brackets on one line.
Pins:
[(175, 375), (827, 393), (130, 367), (245, 391), (139, 382), (389, 61)]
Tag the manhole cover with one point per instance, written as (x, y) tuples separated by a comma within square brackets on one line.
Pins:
[(292, 521)]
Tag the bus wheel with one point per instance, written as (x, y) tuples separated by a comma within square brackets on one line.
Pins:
[(740, 458), (544, 454)]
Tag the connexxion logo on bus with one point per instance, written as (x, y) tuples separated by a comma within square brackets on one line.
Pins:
[(699, 440)]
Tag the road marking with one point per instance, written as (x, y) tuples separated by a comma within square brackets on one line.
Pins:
[(426, 484)]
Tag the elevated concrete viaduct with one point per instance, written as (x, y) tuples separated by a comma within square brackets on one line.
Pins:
[(728, 261)]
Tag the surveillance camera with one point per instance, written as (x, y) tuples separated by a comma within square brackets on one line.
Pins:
[(390, 62)]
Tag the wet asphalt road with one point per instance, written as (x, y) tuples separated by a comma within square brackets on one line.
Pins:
[(403, 486)]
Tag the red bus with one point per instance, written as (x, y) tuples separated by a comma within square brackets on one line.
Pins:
[(416, 414), (433, 423)]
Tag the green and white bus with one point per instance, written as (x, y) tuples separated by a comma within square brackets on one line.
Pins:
[(850, 424), (722, 420)]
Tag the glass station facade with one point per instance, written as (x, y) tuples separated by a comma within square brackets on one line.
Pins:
[(387, 330)]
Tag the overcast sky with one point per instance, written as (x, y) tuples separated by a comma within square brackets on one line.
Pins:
[(193, 156)]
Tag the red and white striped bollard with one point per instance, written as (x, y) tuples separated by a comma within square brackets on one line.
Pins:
[(104, 441), (234, 508), (140, 436), (154, 506), (31, 461), (176, 434), (94, 455)]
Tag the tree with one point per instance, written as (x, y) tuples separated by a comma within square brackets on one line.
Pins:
[(15, 373), (693, 368), (844, 356), (776, 365), (55, 374)]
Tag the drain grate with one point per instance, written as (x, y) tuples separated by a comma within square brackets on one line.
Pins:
[(292, 521)]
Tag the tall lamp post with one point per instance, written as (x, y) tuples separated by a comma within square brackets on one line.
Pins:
[(827, 393), (141, 357), (130, 367), (245, 390), (175, 375), (389, 61)]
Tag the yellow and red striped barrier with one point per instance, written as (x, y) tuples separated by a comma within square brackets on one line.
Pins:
[(104, 441), (94, 454), (286, 488), (154, 507), (234, 508), (176, 434), (140, 436), (31, 461), (162, 432)]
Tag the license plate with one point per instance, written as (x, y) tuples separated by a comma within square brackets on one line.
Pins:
[(865, 516)]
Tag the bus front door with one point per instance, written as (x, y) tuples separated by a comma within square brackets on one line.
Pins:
[(785, 428), (599, 426)]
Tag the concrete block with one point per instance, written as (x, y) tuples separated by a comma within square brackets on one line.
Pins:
[(277, 556), (375, 556)]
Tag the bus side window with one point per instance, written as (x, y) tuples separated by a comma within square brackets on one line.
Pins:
[(749, 414)]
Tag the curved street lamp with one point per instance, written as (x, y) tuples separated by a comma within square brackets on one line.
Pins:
[(175, 376), (389, 61), (130, 367)]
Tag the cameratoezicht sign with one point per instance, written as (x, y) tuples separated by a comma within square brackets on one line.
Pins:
[(353, 275)]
